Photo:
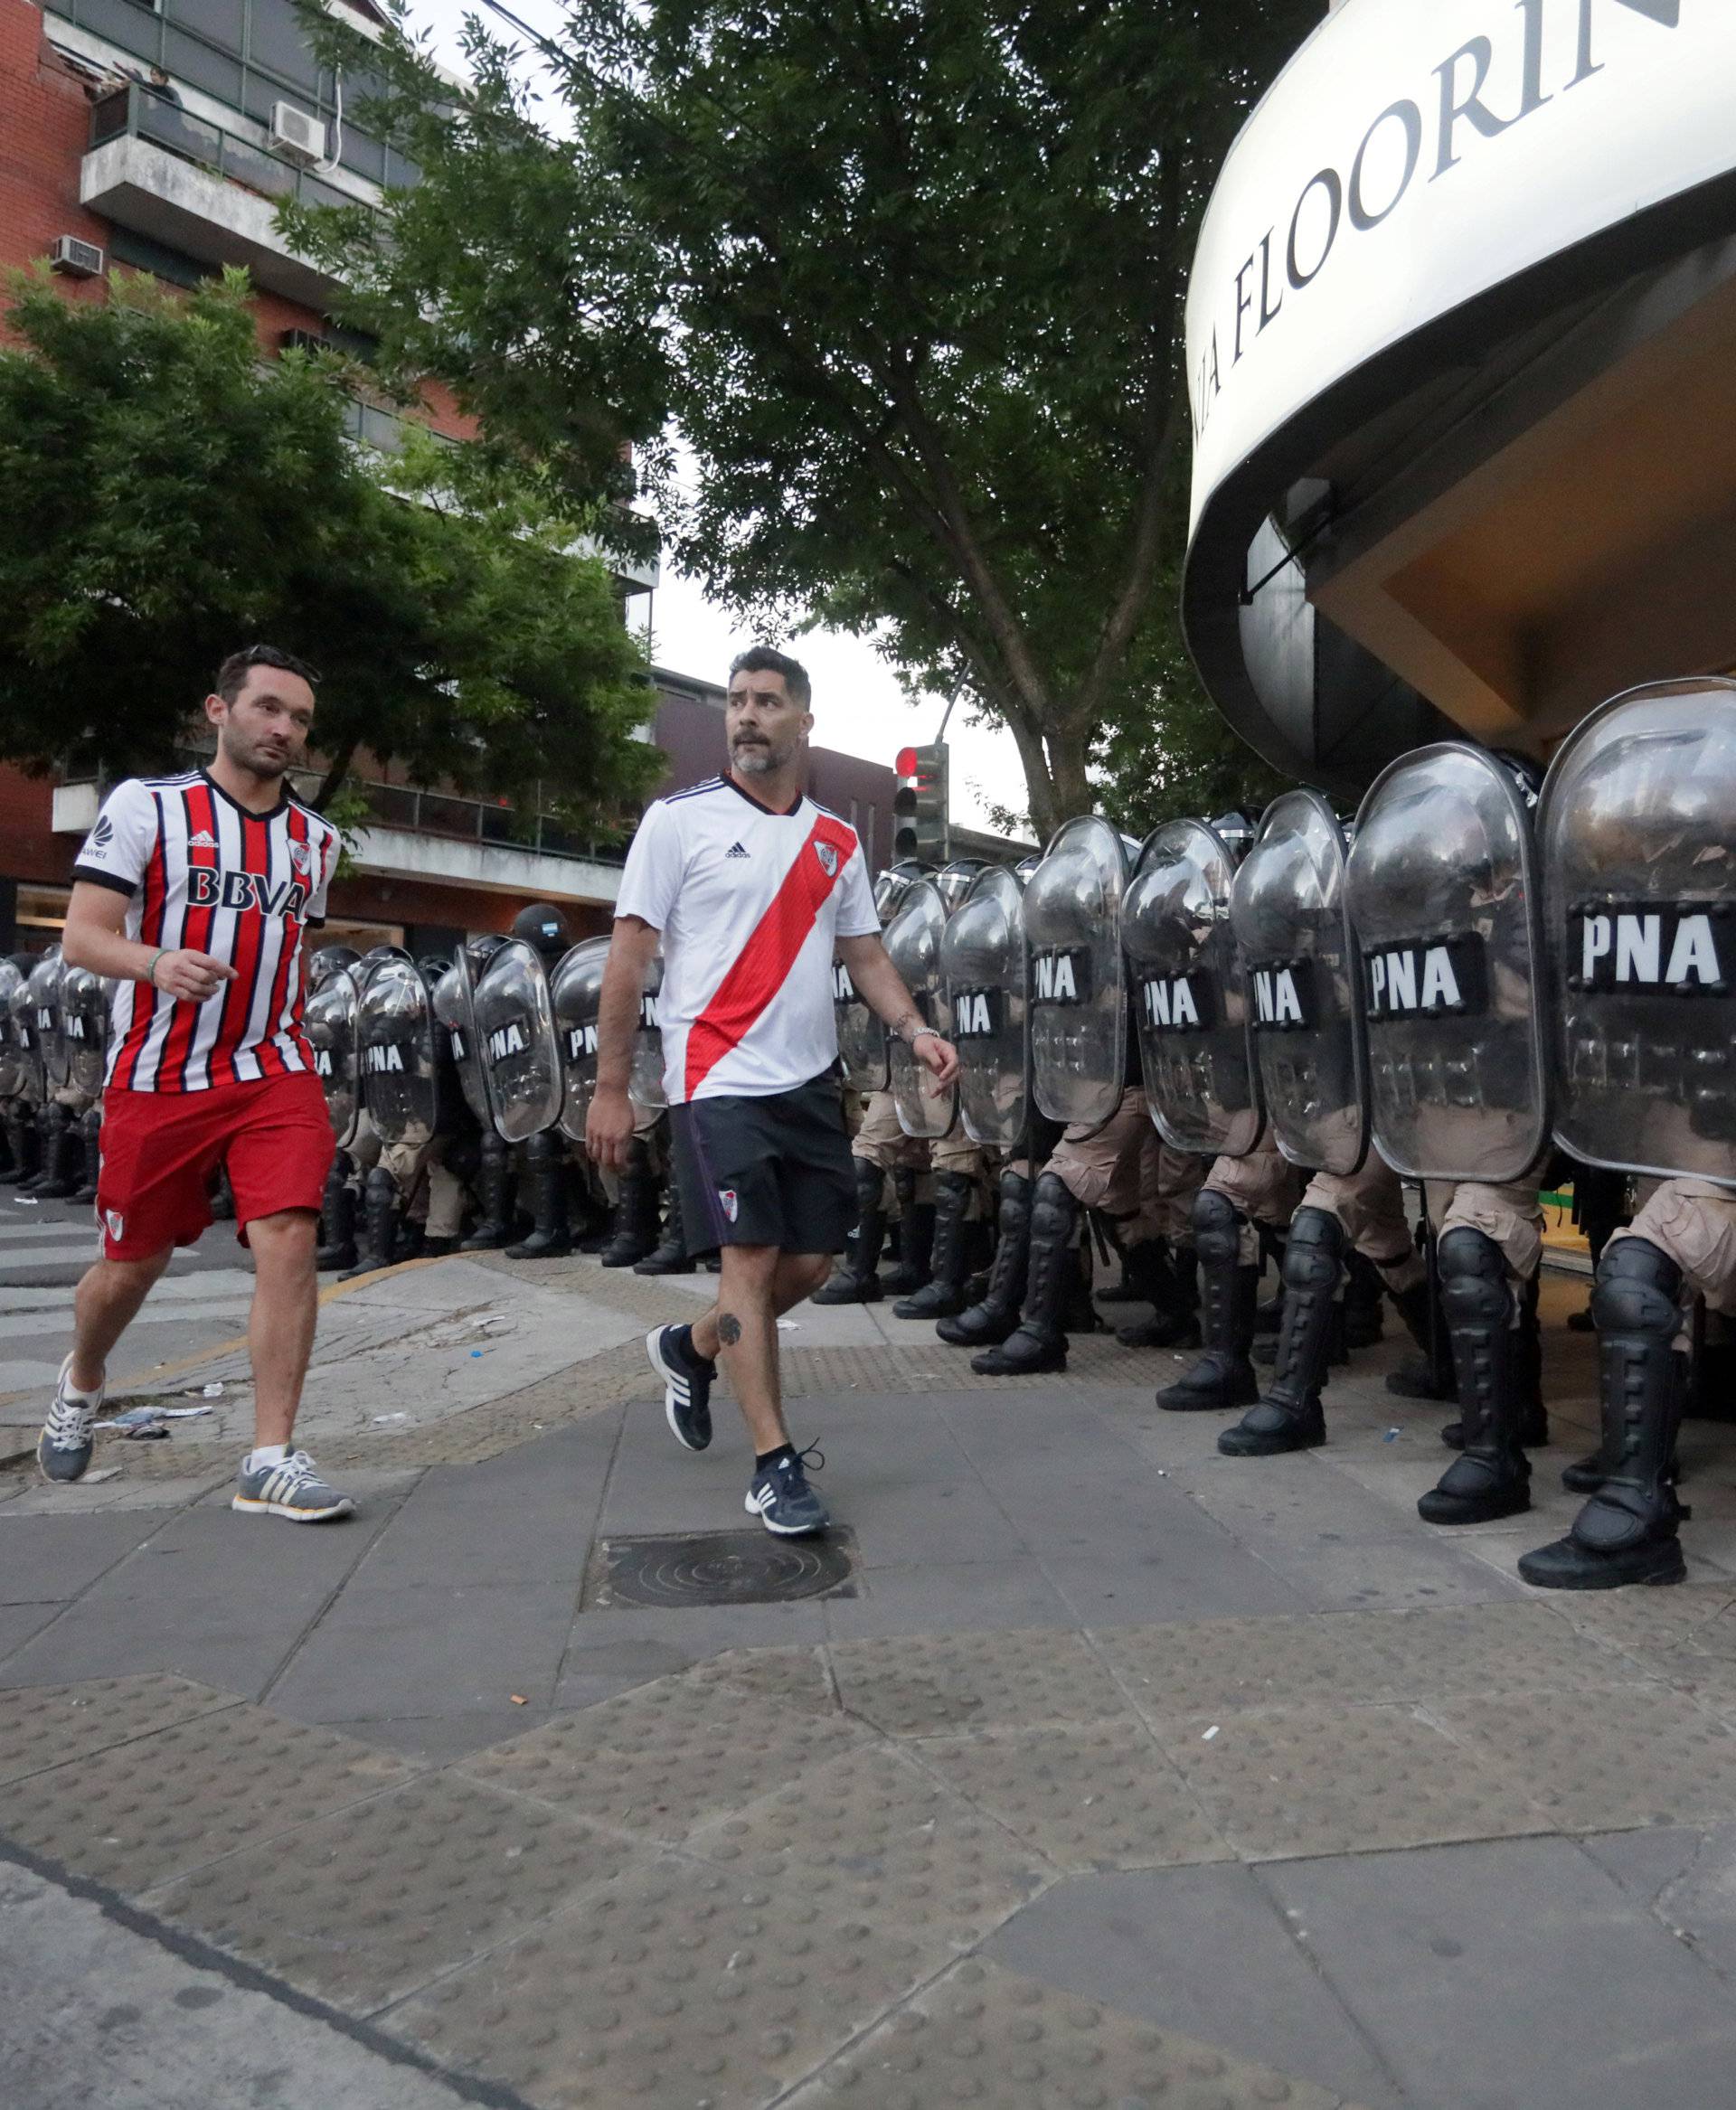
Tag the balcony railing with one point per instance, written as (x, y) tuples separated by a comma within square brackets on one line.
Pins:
[(139, 111)]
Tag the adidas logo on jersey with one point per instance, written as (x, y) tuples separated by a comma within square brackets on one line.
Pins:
[(201, 840), (735, 850)]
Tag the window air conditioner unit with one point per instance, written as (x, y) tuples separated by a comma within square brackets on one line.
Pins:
[(295, 135), (78, 259)]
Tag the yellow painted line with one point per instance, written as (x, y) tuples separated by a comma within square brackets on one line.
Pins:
[(328, 1295)]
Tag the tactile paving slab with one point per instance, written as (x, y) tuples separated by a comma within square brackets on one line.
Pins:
[(1186, 1665), (191, 1793), (48, 1725), (674, 1987), (1608, 1761), (870, 1835), (984, 2034), (665, 1757), (923, 1685), (1317, 1780), (367, 1905), (1488, 1648), (1101, 1796)]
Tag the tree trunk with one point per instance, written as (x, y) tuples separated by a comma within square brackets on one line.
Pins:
[(1055, 778), (336, 769)]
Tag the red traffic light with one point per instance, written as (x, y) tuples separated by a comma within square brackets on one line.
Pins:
[(904, 764)]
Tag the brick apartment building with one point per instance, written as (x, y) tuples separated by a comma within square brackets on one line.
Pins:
[(159, 138)]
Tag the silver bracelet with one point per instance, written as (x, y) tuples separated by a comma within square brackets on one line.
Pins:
[(913, 1038)]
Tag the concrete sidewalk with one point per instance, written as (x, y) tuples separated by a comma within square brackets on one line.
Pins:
[(1114, 1773)]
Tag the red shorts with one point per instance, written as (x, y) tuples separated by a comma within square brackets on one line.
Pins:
[(161, 1151)]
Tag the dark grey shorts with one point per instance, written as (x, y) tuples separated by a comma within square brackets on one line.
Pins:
[(771, 1171)]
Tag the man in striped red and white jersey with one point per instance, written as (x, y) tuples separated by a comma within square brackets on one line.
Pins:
[(751, 888), (192, 895)]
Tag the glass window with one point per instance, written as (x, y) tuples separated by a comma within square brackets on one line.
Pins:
[(190, 58), (42, 914), (219, 22), (276, 43), (139, 253), (133, 28)]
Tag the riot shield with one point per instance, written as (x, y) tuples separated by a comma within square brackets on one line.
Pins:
[(45, 1018), (1190, 995), (644, 1081), (987, 975), (84, 1024), (521, 1062), (575, 992), (1079, 992), (454, 1011), (33, 1082), (861, 1035), (15, 1051), (1634, 834), (1445, 905), (330, 1019), (1288, 912), (914, 947), (398, 1063)]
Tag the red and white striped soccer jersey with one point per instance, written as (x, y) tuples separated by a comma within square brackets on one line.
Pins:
[(204, 872), (749, 902)]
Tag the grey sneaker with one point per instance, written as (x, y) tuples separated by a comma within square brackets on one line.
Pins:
[(63, 1449), (686, 1384), (293, 1489), (779, 1494)]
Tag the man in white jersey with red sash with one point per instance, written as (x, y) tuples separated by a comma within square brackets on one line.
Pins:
[(751, 887), (192, 895)]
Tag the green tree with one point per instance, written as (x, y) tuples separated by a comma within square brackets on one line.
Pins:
[(170, 495), (907, 276)]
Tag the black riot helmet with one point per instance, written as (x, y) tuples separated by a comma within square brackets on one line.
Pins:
[(329, 960), (1236, 831), (544, 926)]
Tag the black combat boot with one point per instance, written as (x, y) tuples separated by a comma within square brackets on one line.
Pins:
[(1223, 1376), (545, 1182), (1626, 1532), (997, 1314), (1171, 1287), (1528, 1365), (91, 1155), (1289, 1418), (909, 1272), (857, 1281), (1135, 1286), (52, 1180), (379, 1241), (1491, 1478), (1365, 1303), (636, 1213), (944, 1293), (670, 1255), (495, 1225), (337, 1217), (1037, 1343), (24, 1143)]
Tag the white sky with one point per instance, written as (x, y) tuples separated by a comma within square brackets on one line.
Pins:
[(858, 706)]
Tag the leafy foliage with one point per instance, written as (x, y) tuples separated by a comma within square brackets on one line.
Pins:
[(907, 276), (171, 496)]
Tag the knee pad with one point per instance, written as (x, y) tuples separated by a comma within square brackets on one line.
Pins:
[(869, 1178), (1474, 1286), (904, 1187), (381, 1185), (956, 1187), (1217, 1229), (1314, 1253), (1636, 1291), (1053, 1209)]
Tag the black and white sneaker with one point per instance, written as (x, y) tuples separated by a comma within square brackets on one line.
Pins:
[(779, 1494), (63, 1449), (686, 1384)]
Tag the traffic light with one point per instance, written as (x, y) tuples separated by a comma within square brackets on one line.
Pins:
[(920, 804)]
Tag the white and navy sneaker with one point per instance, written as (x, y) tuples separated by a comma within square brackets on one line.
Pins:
[(686, 1384), (291, 1489), (63, 1449), (779, 1494)]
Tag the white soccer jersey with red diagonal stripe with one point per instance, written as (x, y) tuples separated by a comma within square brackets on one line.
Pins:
[(749, 902), (204, 872)]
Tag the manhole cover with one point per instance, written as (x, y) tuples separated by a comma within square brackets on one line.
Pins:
[(722, 1568)]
